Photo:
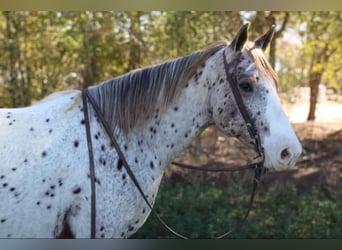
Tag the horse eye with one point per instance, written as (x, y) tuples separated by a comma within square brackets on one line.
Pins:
[(246, 87)]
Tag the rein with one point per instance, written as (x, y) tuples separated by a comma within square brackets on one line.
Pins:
[(230, 70)]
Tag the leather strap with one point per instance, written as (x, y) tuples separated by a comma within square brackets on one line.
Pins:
[(92, 168), (231, 75), (125, 164)]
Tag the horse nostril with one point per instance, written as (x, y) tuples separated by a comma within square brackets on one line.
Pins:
[(285, 154)]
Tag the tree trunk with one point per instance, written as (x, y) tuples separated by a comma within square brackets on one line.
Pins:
[(135, 40), (13, 47), (315, 77), (314, 81), (92, 71), (271, 19)]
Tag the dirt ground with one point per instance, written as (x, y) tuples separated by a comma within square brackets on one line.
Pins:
[(319, 166)]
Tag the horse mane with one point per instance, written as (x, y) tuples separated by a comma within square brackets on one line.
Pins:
[(128, 99)]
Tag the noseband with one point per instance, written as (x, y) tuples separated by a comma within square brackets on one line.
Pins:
[(231, 74)]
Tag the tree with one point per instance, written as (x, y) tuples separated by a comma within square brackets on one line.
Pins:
[(321, 44)]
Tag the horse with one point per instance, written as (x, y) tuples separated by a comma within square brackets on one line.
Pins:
[(154, 113)]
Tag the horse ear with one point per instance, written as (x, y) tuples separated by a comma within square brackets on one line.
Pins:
[(240, 39), (263, 41)]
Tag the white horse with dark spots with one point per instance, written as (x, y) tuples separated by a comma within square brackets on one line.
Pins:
[(154, 113)]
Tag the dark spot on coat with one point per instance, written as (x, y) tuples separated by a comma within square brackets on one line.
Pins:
[(3, 220), (50, 131), (44, 153), (25, 161), (12, 189), (38, 203), (2, 177), (120, 164), (103, 161), (175, 108), (47, 120), (14, 169), (103, 148), (130, 228), (82, 122), (77, 190), (66, 232), (123, 176), (31, 129), (76, 143), (152, 165)]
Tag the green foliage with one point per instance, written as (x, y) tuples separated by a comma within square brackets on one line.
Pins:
[(322, 44), (46, 51), (206, 211)]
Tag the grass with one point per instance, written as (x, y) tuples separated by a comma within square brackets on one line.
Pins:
[(205, 211)]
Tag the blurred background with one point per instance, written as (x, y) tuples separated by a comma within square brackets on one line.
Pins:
[(43, 52)]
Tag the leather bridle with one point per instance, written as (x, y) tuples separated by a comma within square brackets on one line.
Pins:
[(231, 74)]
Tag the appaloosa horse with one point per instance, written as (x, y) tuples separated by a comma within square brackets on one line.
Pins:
[(154, 113)]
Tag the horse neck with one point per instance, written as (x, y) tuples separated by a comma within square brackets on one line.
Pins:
[(168, 134)]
